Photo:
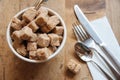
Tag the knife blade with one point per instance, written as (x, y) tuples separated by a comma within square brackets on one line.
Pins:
[(91, 31), (87, 25)]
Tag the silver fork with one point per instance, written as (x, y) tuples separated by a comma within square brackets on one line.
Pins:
[(82, 35), (38, 3)]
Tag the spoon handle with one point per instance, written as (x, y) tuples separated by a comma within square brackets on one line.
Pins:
[(111, 57), (105, 73), (115, 72)]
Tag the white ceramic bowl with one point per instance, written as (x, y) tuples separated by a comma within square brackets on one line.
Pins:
[(30, 60)]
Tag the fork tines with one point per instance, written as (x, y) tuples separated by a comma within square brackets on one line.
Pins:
[(80, 32)]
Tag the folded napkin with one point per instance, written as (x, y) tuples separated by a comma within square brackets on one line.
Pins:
[(105, 32)]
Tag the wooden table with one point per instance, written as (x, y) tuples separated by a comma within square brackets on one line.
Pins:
[(12, 68)]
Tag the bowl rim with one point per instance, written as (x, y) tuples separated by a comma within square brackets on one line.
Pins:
[(30, 60)]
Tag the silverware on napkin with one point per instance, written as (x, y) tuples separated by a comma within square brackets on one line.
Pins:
[(87, 25), (85, 53), (86, 44), (88, 55)]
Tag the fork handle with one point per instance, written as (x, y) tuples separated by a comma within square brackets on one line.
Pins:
[(111, 57)]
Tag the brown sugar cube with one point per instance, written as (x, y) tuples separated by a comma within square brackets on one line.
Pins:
[(51, 24), (31, 46), (52, 49), (60, 38), (42, 54), (21, 49), (32, 55), (53, 21), (23, 23), (43, 11), (45, 29), (33, 37), (16, 44), (29, 15), (43, 40), (54, 39), (41, 20), (58, 30), (50, 52), (26, 33), (33, 26), (16, 20), (16, 35), (77, 68), (73, 66), (16, 24)]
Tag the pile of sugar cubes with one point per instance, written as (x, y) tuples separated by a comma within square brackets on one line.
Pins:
[(36, 34)]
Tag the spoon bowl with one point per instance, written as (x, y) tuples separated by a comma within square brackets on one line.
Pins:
[(87, 54), (83, 51)]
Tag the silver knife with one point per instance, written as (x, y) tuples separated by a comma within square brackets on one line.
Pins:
[(88, 27)]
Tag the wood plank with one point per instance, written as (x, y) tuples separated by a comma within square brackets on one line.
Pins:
[(113, 14), (1, 47), (6, 12), (93, 9), (12, 68), (21, 70), (70, 53)]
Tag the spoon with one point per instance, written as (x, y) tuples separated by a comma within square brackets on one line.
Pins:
[(84, 49), (86, 54)]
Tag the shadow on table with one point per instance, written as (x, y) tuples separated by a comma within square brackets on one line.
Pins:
[(30, 71)]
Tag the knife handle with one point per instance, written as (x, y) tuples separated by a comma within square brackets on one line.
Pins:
[(111, 57)]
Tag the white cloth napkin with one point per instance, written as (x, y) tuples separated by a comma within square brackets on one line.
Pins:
[(105, 32)]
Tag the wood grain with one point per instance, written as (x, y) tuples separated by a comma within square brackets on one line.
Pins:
[(12, 68), (113, 14), (16, 69), (93, 9)]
